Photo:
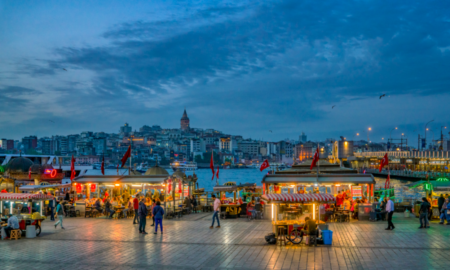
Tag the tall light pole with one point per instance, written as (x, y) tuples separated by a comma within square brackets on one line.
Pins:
[(441, 147), (426, 132), (357, 134), (390, 134), (369, 129)]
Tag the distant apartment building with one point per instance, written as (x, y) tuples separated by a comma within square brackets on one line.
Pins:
[(72, 143), (29, 142), (85, 147), (197, 146), (3, 144), (227, 144), (304, 151), (125, 129), (99, 145), (46, 146), (9, 144), (249, 147), (286, 149)]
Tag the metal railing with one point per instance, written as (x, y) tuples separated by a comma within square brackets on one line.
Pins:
[(407, 173), (405, 154)]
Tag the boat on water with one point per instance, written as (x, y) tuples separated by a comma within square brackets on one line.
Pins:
[(142, 168), (184, 166)]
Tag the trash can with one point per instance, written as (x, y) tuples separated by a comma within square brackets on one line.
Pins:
[(327, 236), (31, 231), (407, 213)]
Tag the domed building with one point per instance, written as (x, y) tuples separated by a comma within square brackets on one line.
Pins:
[(156, 170), (184, 122), (179, 174), (19, 165)]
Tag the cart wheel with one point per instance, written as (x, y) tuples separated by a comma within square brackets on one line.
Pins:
[(295, 237), (38, 230)]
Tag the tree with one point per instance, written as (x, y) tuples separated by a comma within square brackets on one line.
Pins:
[(198, 159)]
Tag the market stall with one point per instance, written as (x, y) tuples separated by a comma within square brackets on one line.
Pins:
[(230, 207), (431, 190), (290, 210), (13, 203)]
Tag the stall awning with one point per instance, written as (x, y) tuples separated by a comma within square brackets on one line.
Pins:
[(298, 197), (39, 187), (126, 179), (225, 188), (24, 196), (323, 179)]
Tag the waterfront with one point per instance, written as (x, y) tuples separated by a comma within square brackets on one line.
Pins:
[(227, 175)]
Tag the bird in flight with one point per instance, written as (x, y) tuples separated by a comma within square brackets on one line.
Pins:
[(51, 121), (64, 69), (383, 95), (270, 131), (333, 106)]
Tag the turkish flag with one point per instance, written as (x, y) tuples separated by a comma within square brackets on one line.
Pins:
[(72, 168), (384, 161), (315, 159), (126, 156), (29, 173), (211, 164), (103, 165), (387, 184), (264, 165), (217, 173)]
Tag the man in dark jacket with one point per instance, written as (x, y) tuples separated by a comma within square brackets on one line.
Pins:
[(441, 201), (423, 212), (108, 208), (158, 213), (142, 211)]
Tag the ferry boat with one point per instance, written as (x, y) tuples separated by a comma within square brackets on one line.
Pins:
[(184, 166)]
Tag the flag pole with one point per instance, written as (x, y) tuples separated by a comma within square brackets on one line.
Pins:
[(131, 156), (318, 163)]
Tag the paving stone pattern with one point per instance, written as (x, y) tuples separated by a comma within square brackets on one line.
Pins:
[(188, 243)]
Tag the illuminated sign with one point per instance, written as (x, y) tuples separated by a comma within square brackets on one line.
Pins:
[(442, 179), (51, 172), (427, 186)]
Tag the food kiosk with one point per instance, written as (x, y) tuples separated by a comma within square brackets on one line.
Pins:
[(230, 207), (12, 203)]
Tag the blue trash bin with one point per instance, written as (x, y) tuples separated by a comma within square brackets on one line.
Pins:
[(327, 236)]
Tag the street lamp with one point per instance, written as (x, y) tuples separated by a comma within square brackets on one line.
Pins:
[(357, 134), (390, 135), (369, 129), (426, 131)]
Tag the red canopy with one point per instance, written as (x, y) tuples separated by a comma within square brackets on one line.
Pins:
[(23, 196), (299, 197)]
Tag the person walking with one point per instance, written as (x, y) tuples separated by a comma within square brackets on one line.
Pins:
[(390, 213), (441, 201), (158, 213), (216, 211), (142, 211), (136, 207), (443, 212), (423, 214), (60, 213), (151, 211), (52, 204)]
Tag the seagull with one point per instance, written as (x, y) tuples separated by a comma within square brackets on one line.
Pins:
[(383, 95), (270, 131), (333, 106), (51, 121), (64, 69)]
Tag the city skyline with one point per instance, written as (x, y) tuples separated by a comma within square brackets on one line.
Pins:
[(319, 68)]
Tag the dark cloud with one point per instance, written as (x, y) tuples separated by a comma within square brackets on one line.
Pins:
[(250, 65)]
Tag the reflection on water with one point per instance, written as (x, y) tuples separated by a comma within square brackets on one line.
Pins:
[(227, 175)]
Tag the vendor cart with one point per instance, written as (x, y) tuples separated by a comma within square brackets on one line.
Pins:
[(9, 200)]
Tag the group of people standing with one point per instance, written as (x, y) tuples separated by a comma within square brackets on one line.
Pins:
[(145, 206)]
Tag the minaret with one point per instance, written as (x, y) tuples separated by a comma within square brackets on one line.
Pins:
[(184, 122)]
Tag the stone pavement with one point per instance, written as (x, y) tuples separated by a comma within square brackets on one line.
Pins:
[(188, 243)]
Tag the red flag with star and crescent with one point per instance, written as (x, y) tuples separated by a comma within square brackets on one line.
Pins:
[(126, 156), (384, 161), (103, 165), (264, 165), (29, 173), (217, 173), (315, 159), (72, 168), (211, 164)]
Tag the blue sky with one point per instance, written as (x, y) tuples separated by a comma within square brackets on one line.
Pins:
[(242, 67)]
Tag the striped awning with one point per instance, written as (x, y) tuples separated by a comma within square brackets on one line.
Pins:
[(24, 196), (298, 197)]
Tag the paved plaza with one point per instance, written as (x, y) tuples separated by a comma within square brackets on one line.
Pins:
[(188, 243)]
